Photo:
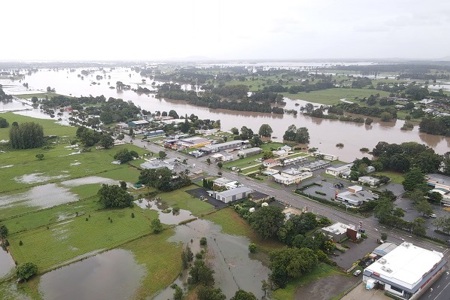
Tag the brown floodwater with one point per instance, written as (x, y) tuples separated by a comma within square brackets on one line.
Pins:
[(110, 275), (324, 134)]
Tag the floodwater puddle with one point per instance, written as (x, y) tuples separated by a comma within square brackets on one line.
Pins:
[(227, 255), (109, 275), (51, 194), (37, 178), (6, 263), (165, 214)]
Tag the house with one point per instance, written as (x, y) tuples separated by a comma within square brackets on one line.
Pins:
[(158, 164), (291, 176), (280, 153), (232, 195), (369, 180), (355, 196), (342, 171), (249, 152), (222, 156), (236, 144), (406, 271), (270, 163), (221, 182), (326, 156), (138, 123), (339, 231), (294, 160)]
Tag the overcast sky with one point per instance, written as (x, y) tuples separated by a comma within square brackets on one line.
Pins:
[(224, 29)]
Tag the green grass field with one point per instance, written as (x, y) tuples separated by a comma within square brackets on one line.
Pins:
[(39, 95), (161, 258), (50, 126), (70, 238), (332, 96), (233, 224), (395, 177), (185, 201)]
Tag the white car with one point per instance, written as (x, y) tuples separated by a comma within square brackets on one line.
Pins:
[(356, 273)]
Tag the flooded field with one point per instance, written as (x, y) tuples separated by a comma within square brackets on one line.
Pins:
[(325, 134), (110, 275), (165, 214), (51, 194), (6, 263), (227, 255)]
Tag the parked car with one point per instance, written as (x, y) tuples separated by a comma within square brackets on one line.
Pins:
[(357, 273)]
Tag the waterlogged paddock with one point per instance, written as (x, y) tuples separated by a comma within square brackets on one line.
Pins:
[(6, 263), (110, 275), (228, 255), (165, 214), (49, 195)]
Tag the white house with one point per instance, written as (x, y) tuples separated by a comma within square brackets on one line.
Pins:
[(339, 171), (288, 178), (249, 152), (355, 196), (270, 163), (372, 181)]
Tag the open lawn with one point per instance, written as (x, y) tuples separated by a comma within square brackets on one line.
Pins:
[(332, 96), (322, 270), (394, 176), (68, 239), (161, 259), (39, 95), (233, 224), (185, 201), (50, 126), (60, 163)]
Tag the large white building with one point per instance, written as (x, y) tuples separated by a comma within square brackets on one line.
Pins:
[(406, 271)]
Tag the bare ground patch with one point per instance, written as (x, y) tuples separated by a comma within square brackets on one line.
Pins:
[(326, 288)]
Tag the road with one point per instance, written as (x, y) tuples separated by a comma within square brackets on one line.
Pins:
[(370, 224)]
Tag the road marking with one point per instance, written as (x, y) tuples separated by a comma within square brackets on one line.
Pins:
[(441, 291)]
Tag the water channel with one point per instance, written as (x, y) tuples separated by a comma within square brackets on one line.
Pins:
[(325, 134)]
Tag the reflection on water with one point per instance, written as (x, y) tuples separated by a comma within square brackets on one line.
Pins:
[(109, 275), (325, 134), (165, 214)]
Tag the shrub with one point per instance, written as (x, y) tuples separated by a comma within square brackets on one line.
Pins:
[(252, 248), (203, 241)]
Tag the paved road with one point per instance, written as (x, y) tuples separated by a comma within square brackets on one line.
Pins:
[(371, 225)]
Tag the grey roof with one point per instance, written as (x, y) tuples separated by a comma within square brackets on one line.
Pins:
[(384, 249), (235, 191)]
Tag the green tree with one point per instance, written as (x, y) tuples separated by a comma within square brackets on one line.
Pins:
[(88, 137), (125, 156), (156, 226), (386, 117), (113, 196), (267, 221), (243, 295), (418, 226), (162, 154), (3, 232), (383, 210), (26, 136), (200, 273), (3, 123), (26, 271), (252, 248), (106, 141), (265, 131), (220, 165), (424, 207), (290, 133), (302, 135), (414, 178), (210, 293)]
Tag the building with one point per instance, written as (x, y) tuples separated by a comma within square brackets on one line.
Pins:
[(222, 156), (192, 142), (406, 271), (441, 185), (384, 249), (339, 231), (294, 160), (369, 180), (224, 183), (237, 144), (342, 171), (316, 165), (270, 163), (154, 133), (232, 195), (158, 164), (249, 152), (280, 153), (291, 176), (138, 123), (326, 156), (355, 196)]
